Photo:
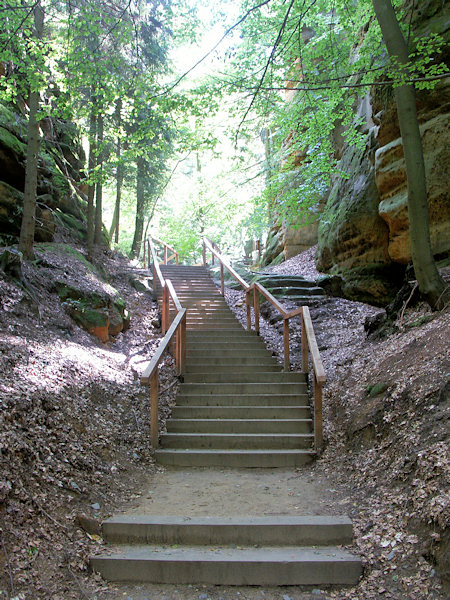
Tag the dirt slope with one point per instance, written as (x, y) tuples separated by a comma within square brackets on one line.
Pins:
[(73, 426)]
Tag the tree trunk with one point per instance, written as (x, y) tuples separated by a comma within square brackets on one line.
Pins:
[(91, 190), (98, 237), (114, 231), (140, 207), (29, 198), (430, 282)]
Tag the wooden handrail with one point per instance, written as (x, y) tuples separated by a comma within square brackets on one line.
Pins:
[(308, 338), (207, 244), (178, 328), (166, 247), (151, 372)]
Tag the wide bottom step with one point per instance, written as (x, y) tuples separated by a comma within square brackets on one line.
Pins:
[(231, 566), (235, 458)]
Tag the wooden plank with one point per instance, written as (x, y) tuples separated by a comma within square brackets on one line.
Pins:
[(222, 280), (271, 299), (318, 421), (154, 392), (225, 263), (256, 308), (158, 241), (294, 313), (248, 311), (304, 342), (163, 345), (173, 295), (156, 268), (313, 348), (287, 358)]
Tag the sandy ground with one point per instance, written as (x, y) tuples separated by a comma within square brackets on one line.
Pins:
[(246, 492)]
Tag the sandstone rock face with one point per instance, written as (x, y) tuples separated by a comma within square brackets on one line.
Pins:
[(53, 189), (392, 187), (296, 240), (351, 232)]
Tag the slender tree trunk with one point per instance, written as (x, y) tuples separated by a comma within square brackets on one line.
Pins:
[(27, 228), (140, 207), (91, 190), (430, 282), (98, 237), (114, 231)]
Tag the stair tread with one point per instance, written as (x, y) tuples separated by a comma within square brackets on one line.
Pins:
[(229, 554), (269, 521)]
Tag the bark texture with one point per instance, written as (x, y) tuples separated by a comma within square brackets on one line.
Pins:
[(29, 201)]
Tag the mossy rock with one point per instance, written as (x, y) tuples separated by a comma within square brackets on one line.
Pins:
[(9, 140), (377, 389), (104, 316), (94, 320), (73, 224)]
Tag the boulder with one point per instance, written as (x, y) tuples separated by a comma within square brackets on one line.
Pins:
[(102, 315)]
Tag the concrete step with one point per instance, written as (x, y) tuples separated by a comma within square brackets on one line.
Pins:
[(235, 441), (223, 425), (247, 531), (294, 565), (218, 361), (194, 351), (272, 379), (207, 369), (267, 413), (244, 333), (240, 399), (238, 459), (229, 342)]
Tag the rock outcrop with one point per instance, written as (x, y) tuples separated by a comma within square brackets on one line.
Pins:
[(60, 161), (364, 230)]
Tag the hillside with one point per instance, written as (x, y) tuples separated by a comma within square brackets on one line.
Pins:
[(74, 421), (75, 444)]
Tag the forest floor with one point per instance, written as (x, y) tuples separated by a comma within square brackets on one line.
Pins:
[(74, 443)]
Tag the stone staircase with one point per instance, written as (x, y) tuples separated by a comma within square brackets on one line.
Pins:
[(271, 551), (235, 409)]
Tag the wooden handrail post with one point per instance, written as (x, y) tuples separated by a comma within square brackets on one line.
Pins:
[(304, 342), (247, 306), (318, 422), (222, 280), (287, 358), (165, 254), (176, 258), (165, 310), (204, 253), (154, 391), (256, 308), (183, 345)]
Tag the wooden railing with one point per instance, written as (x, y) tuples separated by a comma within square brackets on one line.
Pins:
[(166, 250), (176, 328), (308, 338)]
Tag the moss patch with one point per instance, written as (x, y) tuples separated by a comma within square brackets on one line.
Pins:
[(9, 140)]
